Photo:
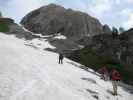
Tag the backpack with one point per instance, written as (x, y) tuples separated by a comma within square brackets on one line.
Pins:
[(61, 56)]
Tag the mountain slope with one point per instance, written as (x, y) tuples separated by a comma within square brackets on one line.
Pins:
[(29, 73)]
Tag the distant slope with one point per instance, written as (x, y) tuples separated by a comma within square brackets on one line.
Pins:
[(29, 73)]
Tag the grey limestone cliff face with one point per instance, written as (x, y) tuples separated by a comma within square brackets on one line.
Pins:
[(52, 19)]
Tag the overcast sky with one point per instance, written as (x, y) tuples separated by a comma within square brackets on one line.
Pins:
[(112, 12)]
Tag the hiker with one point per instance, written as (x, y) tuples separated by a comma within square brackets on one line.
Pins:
[(104, 73), (61, 58), (115, 78)]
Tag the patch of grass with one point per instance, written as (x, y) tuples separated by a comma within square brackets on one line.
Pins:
[(3, 27)]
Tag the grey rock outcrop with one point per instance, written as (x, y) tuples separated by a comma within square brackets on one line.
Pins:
[(106, 45), (19, 32), (54, 19), (106, 29), (15, 29), (6, 20)]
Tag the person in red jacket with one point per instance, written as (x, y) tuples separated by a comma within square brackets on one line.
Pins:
[(115, 78), (104, 73)]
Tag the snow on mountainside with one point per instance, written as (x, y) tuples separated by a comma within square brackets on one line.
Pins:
[(28, 73)]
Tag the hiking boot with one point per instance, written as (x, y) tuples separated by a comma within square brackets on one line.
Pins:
[(114, 94)]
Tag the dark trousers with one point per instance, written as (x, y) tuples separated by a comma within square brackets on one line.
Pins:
[(60, 61)]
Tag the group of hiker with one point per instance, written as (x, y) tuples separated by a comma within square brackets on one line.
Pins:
[(104, 73), (113, 75)]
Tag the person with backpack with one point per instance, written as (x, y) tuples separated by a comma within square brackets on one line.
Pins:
[(115, 78), (104, 73), (61, 58)]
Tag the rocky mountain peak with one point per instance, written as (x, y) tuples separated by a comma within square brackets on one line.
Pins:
[(53, 19)]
